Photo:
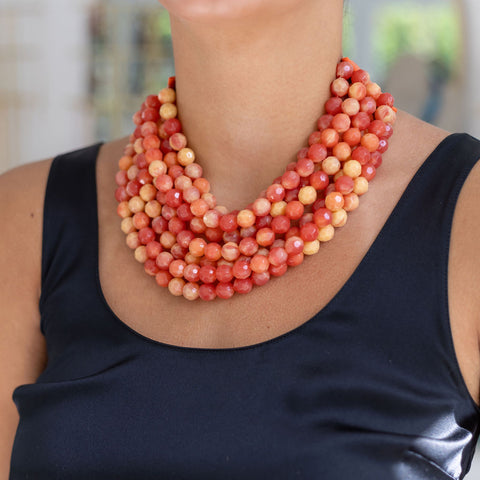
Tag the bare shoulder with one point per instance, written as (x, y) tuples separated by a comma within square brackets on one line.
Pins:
[(22, 345)]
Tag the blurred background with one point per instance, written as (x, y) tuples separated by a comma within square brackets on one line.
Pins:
[(73, 73)]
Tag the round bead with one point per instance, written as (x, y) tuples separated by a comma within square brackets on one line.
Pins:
[(186, 156), (326, 233), (331, 165), (246, 218), (175, 286), (191, 291), (311, 248), (334, 201), (307, 195)]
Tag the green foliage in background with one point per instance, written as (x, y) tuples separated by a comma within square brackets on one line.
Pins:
[(431, 31)]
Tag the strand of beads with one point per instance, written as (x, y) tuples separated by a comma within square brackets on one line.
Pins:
[(201, 250)]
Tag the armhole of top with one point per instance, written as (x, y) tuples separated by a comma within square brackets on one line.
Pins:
[(472, 160)]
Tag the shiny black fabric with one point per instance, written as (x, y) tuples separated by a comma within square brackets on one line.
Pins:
[(367, 389)]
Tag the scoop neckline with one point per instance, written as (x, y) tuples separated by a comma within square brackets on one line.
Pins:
[(311, 320)]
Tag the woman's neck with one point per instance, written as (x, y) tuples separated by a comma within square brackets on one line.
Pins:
[(249, 92)]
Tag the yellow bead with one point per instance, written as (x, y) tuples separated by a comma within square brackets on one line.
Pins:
[(278, 208), (326, 233), (168, 110), (157, 167), (127, 225), (331, 165), (307, 195), (360, 186), (148, 192), (175, 286), (153, 208), (186, 156), (123, 210), (136, 204), (167, 95), (141, 254), (311, 248), (339, 218), (138, 146), (352, 168), (245, 218)]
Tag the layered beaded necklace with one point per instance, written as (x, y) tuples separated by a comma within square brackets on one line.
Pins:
[(199, 249)]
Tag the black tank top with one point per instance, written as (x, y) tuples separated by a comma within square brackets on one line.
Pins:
[(369, 388)]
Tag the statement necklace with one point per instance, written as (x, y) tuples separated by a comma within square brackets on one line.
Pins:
[(198, 249)]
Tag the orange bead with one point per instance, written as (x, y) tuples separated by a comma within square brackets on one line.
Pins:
[(334, 201), (245, 218), (197, 246)]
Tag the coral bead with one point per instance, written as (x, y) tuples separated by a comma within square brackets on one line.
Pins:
[(334, 201), (207, 292), (265, 237), (224, 290), (241, 269)]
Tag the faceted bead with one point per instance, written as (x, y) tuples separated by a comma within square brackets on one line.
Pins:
[(242, 285), (230, 251), (309, 232), (312, 247), (163, 278), (326, 233), (224, 290), (260, 278), (259, 263), (241, 269), (191, 291), (294, 210), (207, 274), (175, 286), (207, 292), (334, 201)]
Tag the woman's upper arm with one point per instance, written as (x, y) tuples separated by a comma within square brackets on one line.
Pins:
[(22, 346)]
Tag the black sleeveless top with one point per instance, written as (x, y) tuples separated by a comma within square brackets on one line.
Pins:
[(367, 389)]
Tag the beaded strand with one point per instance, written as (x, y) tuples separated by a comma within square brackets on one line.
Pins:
[(198, 249)]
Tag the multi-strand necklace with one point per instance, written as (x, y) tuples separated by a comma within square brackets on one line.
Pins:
[(199, 249)]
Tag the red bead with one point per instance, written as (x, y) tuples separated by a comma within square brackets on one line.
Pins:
[(224, 273), (242, 285), (317, 152), (294, 210), (344, 185), (322, 217), (325, 121), (280, 224), (276, 192), (191, 272), (228, 222), (241, 269), (368, 171), (319, 180), (174, 198), (305, 167), (172, 126), (278, 270), (385, 99), (345, 70), (207, 274), (361, 120), (207, 292), (224, 290), (361, 76), (333, 106), (290, 180), (361, 154), (309, 232), (146, 235), (260, 278), (294, 245)]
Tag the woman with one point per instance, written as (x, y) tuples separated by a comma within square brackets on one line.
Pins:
[(344, 367)]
